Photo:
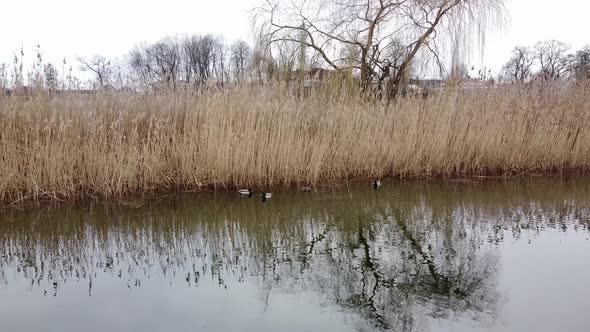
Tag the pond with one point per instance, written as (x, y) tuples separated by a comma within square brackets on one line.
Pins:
[(410, 256)]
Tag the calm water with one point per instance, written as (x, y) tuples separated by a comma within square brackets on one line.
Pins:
[(455, 256)]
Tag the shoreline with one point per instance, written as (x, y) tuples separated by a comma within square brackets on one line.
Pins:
[(47, 200)]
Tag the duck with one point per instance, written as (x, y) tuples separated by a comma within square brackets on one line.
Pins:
[(305, 188), (376, 184), (265, 196), (246, 192)]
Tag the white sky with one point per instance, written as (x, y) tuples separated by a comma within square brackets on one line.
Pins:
[(72, 28)]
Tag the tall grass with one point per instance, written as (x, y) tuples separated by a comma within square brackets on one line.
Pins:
[(112, 144)]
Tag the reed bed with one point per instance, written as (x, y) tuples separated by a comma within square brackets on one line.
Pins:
[(110, 145)]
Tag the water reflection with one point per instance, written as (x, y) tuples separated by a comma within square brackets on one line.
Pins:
[(392, 258)]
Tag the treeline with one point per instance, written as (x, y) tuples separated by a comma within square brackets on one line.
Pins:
[(198, 60), (547, 60), (171, 61), (192, 60)]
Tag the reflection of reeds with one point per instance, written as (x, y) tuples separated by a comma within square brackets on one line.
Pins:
[(110, 145), (428, 245), (227, 227)]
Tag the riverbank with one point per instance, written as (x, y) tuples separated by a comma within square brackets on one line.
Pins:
[(113, 145)]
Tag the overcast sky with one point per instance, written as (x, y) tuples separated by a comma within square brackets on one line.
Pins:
[(72, 28)]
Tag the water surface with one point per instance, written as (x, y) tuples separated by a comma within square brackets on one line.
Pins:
[(452, 256)]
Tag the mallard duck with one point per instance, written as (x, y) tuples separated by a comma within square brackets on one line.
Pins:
[(246, 192), (265, 196)]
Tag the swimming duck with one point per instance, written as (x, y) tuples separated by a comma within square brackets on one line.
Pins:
[(265, 196), (305, 188), (376, 184), (246, 192)]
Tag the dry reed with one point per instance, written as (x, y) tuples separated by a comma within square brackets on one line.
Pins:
[(110, 145)]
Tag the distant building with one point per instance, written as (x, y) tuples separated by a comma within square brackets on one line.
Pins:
[(313, 76), (432, 84), (75, 92), (316, 75)]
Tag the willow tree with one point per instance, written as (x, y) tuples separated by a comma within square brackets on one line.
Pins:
[(383, 37)]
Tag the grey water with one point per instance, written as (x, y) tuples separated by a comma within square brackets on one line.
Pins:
[(416, 256)]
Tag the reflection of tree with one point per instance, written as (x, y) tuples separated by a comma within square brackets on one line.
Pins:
[(390, 261), (385, 274)]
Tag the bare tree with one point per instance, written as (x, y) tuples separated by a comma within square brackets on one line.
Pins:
[(198, 54), (159, 63), (220, 61), (139, 64), (520, 65), (553, 59), (166, 56), (240, 58), (100, 66), (385, 36), (581, 65)]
